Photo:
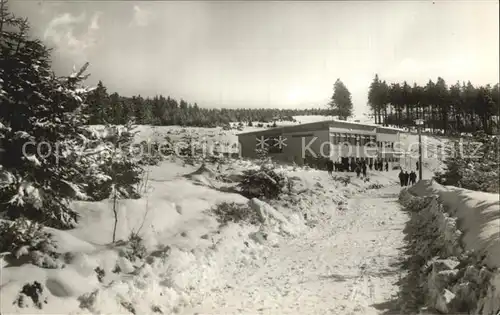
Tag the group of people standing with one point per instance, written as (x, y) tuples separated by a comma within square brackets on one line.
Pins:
[(350, 166), (406, 179), (379, 165), (359, 166)]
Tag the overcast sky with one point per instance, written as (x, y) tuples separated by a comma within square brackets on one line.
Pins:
[(268, 54)]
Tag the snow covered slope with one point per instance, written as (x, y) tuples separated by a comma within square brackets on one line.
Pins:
[(188, 253)]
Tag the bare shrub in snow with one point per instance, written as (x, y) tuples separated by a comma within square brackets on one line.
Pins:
[(128, 306), (31, 294), (135, 247), (100, 273), (156, 309), (23, 238), (265, 182), (345, 179), (375, 186), (227, 212), (88, 300)]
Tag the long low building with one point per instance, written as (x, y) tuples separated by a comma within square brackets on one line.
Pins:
[(333, 139)]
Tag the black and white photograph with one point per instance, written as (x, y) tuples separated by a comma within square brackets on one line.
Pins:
[(249, 157)]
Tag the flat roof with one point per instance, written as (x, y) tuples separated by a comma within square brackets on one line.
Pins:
[(319, 125)]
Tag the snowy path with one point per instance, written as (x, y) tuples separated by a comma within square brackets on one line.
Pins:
[(344, 265)]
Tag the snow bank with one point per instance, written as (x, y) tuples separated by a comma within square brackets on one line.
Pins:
[(453, 250), (477, 212)]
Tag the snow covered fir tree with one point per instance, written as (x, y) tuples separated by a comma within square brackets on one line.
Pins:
[(39, 112), (47, 159)]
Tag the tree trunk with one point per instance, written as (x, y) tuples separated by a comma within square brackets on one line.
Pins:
[(115, 213), (485, 124)]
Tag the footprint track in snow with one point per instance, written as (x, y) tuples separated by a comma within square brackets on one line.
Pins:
[(341, 266)]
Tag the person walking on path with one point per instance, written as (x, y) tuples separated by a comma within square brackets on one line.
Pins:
[(386, 166), (413, 178), (364, 169), (401, 177), (407, 178), (329, 166)]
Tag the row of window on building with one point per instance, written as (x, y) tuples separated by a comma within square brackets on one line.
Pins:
[(275, 144), (367, 160), (361, 140)]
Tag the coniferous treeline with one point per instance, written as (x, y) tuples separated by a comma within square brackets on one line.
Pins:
[(163, 111), (461, 107)]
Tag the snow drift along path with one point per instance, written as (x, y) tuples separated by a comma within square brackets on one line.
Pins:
[(344, 265)]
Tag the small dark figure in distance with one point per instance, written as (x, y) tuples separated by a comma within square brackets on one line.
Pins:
[(371, 165), (357, 170), (407, 178), (413, 178), (387, 166), (401, 177), (417, 165), (363, 167), (329, 166)]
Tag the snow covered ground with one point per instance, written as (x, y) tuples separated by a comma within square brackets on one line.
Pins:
[(192, 259), (329, 250), (343, 265)]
